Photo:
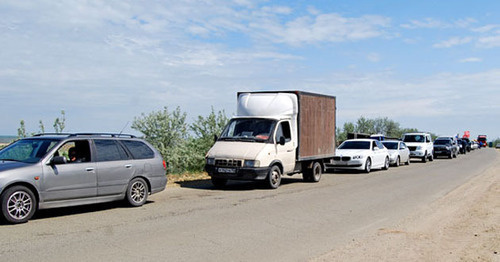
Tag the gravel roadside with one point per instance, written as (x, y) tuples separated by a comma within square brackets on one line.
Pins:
[(461, 226)]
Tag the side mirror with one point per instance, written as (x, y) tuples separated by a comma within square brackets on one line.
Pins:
[(58, 160), (215, 138), (282, 140)]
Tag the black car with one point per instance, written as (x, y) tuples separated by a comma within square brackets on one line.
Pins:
[(444, 147), (464, 146)]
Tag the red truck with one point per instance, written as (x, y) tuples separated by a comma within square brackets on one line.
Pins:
[(481, 139)]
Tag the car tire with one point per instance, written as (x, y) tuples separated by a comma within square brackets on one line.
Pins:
[(137, 192), (386, 163), (219, 182), (368, 165), (398, 162), (424, 158), (19, 204), (274, 177)]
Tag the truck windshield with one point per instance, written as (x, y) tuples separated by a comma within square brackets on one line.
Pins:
[(27, 150), (249, 129)]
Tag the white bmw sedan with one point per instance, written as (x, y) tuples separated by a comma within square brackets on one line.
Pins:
[(361, 154)]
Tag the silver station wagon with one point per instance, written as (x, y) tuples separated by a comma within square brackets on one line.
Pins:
[(59, 170)]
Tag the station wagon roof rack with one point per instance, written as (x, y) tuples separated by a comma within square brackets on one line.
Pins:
[(87, 134)]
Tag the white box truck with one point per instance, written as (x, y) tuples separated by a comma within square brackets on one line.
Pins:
[(275, 133)]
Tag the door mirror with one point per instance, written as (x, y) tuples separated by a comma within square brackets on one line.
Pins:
[(282, 140), (215, 138), (58, 160)]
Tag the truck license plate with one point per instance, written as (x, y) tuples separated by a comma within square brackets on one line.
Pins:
[(226, 170)]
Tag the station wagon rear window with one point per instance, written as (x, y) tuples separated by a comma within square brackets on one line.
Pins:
[(138, 149)]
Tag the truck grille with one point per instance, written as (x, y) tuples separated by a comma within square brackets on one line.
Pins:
[(343, 158), (229, 162)]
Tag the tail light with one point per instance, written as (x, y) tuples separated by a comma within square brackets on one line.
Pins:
[(164, 165)]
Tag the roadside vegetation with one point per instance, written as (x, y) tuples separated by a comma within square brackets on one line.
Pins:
[(183, 145)]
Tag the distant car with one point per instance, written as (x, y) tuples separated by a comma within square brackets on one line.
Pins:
[(420, 145), (463, 146), (398, 152), (497, 146), (361, 154), (474, 145), (443, 146), (58, 170)]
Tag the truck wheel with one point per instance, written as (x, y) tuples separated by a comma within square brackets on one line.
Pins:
[(386, 164), (137, 192), (18, 204), (219, 182), (368, 165), (313, 174), (274, 177)]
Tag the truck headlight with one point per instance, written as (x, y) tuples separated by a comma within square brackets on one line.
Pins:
[(251, 163), (210, 161)]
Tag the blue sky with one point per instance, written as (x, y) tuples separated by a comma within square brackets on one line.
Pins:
[(431, 65)]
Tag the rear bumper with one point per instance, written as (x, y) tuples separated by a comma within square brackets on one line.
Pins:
[(238, 173)]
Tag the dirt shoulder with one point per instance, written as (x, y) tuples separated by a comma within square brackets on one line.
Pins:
[(464, 225)]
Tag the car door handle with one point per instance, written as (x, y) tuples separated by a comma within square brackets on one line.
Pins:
[(128, 166), (89, 169)]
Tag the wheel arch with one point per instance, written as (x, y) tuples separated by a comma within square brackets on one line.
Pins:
[(27, 185)]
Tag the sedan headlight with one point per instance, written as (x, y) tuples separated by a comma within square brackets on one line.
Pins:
[(251, 163), (357, 157), (210, 161)]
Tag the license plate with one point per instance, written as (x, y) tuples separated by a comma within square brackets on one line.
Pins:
[(226, 170)]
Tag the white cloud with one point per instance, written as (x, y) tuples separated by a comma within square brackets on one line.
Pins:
[(486, 28), (373, 57), (471, 60), (489, 41), (454, 41), (425, 23)]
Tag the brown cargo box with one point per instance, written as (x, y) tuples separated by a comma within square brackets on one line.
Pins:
[(316, 124)]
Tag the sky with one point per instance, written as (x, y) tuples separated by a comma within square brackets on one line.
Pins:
[(430, 65)]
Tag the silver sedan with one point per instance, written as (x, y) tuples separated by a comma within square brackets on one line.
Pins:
[(398, 152)]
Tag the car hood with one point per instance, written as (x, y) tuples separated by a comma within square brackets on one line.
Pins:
[(236, 150), (351, 152), (9, 165)]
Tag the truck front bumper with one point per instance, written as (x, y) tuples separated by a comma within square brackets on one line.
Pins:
[(238, 173)]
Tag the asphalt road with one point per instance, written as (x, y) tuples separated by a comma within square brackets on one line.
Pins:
[(245, 222)]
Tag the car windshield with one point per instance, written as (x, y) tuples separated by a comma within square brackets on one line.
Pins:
[(391, 145), (27, 150), (249, 129), (355, 145), (414, 138), (442, 142)]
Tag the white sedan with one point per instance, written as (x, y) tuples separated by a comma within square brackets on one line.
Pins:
[(398, 152), (361, 154)]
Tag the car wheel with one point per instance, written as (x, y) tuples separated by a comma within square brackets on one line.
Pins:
[(137, 192), (398, 162), (408, 161), (18, 204), (274, 177), (424, 159), (386, 164), (219, 182), (368, 165)]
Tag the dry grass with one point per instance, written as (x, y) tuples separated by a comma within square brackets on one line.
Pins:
[(176, 179)]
